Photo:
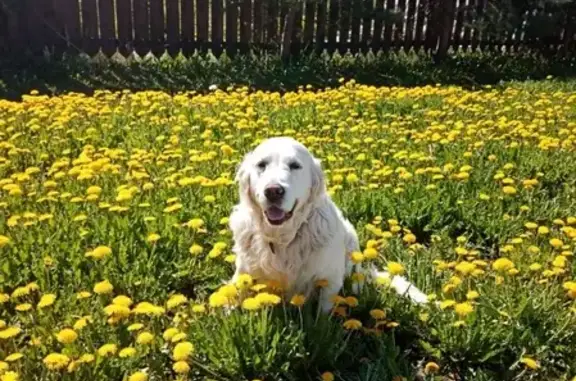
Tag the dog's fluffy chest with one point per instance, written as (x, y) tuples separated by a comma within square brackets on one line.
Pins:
[(293, 258)]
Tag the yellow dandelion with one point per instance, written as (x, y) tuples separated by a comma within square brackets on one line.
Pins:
[(378, 314), (298, 300), (4, 241), (100, 252), (56, 361), (352, 324), (107, 350), (145, 338), (138, 376), (530, 363), (104, 287), (176, 300), (67, 336), (181, 367), (46, 300), (14, 357), (431, 368), (182, 351), (502, 264), (395, 268), (127, 352)]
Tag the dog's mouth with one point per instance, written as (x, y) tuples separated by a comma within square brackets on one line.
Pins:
[(277, 216)]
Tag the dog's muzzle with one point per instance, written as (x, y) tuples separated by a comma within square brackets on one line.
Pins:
[(277, 216)]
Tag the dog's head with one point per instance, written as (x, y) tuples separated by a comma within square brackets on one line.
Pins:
[(280, 178)]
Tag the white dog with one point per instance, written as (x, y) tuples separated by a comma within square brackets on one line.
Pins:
[(287, 228)]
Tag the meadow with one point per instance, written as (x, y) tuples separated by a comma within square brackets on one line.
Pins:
[(114, 244)]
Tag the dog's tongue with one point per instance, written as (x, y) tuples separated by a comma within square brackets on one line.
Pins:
[(275, 214)]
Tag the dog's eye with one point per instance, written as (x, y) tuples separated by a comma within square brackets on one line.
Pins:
[(262, 165), (294, 166)]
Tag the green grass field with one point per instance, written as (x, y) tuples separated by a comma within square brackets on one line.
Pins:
[(114, 243)]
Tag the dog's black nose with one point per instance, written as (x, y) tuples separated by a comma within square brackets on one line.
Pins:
[(274, 192)]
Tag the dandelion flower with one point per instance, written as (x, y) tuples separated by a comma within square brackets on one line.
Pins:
[(431, 368), (23, 307), (463, 309), (176, 300), (530, 363), (409, 238), (196, 249), (556, 243), (370, 253), (107, 350), (181, 367), (152, 238), (244, 281), (182, 351), (56, 361), (14, 357), (378, 314), (46, 300), (327, 376), (122, 300), (472, 295), (502, 264), (170, 333), (104, 287), (298, 300), (135, 327), (67, 336), (217, 300), (352, 324), (145, 338), (198, 308), (265, 298), (395, 268), (195, 223), (138, 376), (251, 304), (10, 376), (127, 352), (9, 332), (147, 308), (4, 241), (100, 252)]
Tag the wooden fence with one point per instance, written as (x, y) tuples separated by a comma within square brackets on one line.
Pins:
[(238, 25)]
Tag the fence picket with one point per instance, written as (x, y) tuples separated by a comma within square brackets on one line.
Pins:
[(188, 32), (333, 25), (107, 26), (173, 26), (157, 37)]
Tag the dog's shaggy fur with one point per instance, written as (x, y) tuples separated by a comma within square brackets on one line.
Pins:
[(300, 237)]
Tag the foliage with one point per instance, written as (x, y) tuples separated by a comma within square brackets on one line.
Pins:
[(263, 71)]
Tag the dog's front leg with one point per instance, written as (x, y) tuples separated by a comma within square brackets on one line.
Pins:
[(328, 292)]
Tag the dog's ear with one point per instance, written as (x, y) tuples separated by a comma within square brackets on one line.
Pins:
[(243, 175), (244, 183), (318, 182)]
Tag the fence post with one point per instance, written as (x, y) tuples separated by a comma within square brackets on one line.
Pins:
[(569, 31), (287, 30), (446, 10)]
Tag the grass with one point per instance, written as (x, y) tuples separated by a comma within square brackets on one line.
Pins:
[(114, 239)]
